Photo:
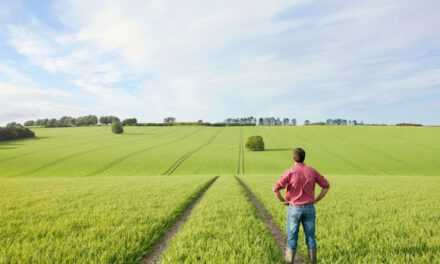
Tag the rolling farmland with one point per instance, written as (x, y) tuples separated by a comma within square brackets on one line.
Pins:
[(84, 194)]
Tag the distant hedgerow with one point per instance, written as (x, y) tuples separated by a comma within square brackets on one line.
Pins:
[(255, 143)]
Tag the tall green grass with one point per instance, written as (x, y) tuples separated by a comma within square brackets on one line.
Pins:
[(51, 211), (88, 220), (367, 219), (223, 228)]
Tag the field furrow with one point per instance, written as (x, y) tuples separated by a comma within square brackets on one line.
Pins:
[(240, 161), (188, 154), (223, 228), (153, 255), (140, 151), (278, 234), (218, 158), (40, 164)]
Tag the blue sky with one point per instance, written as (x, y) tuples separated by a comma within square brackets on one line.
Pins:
[(376, 61)]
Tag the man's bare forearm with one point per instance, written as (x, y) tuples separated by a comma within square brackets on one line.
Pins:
[(321, 195)]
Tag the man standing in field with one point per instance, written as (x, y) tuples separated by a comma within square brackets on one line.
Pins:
[(299, 182)]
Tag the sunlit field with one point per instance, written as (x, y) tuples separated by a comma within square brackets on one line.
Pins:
[(86, 195)]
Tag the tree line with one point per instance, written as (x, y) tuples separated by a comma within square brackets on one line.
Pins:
[(88, 120), (92, 120)]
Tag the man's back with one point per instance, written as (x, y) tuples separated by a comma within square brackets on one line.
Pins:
[(299, 182)]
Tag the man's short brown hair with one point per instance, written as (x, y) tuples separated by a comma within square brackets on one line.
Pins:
[(299, 155)]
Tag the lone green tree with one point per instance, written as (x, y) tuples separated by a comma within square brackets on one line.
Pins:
[(117, 127), (255, 143)]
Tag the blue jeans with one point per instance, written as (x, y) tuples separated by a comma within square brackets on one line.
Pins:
[(305, 215)]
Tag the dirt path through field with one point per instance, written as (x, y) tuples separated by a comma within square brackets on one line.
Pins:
[(153, 256), (265, 216)]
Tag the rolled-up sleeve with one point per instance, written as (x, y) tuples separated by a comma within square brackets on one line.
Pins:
[(321, 180), (282, 182)]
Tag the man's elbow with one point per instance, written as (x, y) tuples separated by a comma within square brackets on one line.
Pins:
[(325, 186)]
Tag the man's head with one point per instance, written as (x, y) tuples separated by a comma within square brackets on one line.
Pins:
[(299, 155)]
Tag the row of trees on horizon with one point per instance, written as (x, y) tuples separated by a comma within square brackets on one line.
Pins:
[(88, 120), (277, 121), (93, 120)]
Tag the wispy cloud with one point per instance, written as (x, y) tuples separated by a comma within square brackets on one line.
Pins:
[(21, 97)]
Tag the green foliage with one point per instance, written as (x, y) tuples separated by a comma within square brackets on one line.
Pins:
[(129, 122), (29, 123), (106, 120), (41, 122), (15, 131), (117, 127), (52, 123), (67, 121), (255, 143), (90, 120), (14, 125), (409, 124)]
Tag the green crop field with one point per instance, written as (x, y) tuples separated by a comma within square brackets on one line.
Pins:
[(211, 233), (85, 195), (88, 220)]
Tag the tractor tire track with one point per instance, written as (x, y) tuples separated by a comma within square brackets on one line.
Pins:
[(140, 151), (153, 255), (419, 145), (349, 162), (62, 159), (372, 149), (414, 143), (85, 142), (50, 149), (188, 154), (240, 162), (57, 161), (279, 236)]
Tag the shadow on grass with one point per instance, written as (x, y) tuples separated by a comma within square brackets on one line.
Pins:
[(13, 143), (38, 138), (278, 149), (138, 134), (8, 145)]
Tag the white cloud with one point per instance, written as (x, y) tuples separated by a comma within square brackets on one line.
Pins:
[(193, 58), (22, 99)]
